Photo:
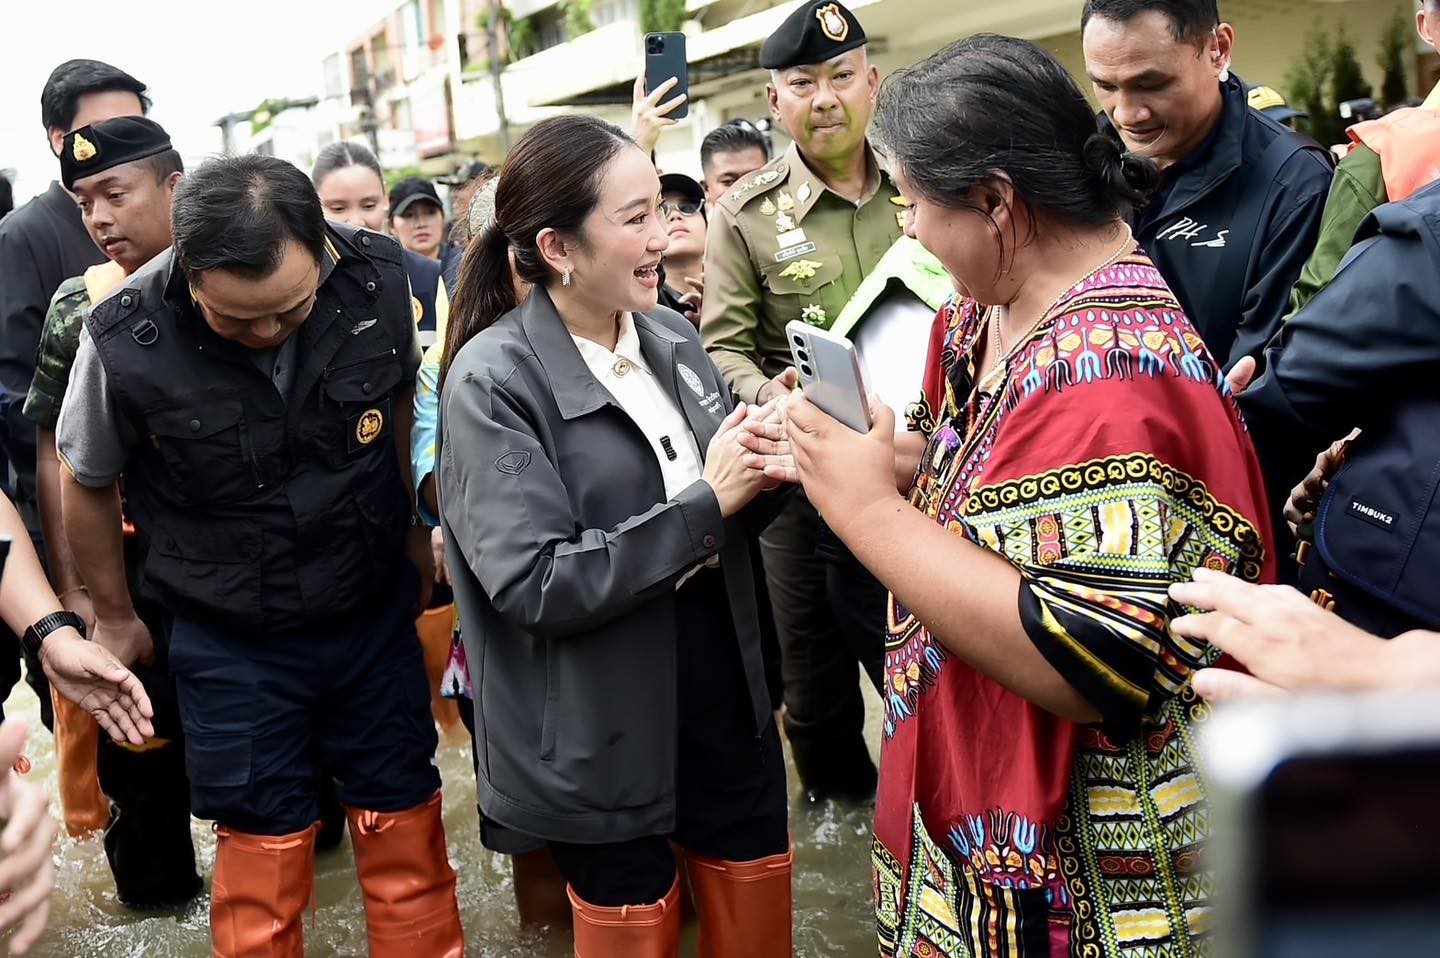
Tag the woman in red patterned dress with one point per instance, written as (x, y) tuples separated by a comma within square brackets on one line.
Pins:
[(1038, 791)]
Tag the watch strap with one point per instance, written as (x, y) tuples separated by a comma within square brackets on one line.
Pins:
[(35, 636)]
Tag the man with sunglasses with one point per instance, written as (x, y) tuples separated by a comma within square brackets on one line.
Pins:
[(682, 206)]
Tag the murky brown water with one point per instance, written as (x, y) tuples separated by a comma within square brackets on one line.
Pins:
[(833, 916)]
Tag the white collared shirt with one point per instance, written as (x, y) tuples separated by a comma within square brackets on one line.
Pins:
[(634, 385)]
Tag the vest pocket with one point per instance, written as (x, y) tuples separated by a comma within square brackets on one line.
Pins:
[(358, 409), (210, 566), (206, 450)]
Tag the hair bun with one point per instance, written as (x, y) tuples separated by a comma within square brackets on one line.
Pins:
[(1130, 176)]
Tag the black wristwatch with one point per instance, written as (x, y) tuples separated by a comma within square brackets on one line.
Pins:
[(36, 635)]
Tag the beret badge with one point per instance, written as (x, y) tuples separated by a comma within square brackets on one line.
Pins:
[(83, 150)]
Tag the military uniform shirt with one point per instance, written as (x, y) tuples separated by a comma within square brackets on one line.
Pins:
[(782, 246), (59, 340)]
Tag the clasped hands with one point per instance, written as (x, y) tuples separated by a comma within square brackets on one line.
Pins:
[(842, 471)]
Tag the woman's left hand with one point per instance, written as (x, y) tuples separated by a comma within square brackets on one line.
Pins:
[(844, 472)]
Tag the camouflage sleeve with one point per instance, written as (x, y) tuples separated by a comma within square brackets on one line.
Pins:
[(59, 339)]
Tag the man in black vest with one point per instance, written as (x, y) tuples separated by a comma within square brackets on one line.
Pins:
[(253, 388)]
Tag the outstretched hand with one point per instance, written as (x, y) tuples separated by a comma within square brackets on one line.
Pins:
[(88, 675)]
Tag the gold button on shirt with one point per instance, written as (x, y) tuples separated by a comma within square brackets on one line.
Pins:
[(629, 379)]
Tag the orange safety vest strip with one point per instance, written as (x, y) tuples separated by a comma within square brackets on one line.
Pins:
[(1408, 144)]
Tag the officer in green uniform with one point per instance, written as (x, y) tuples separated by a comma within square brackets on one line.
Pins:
[(793, 241)]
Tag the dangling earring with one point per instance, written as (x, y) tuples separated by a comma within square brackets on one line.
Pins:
[(565, 277), (1225, 75)]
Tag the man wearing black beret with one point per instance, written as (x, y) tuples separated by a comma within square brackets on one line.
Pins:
[(123, 173), (792, 241)]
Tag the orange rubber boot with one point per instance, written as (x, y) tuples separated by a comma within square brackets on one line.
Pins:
[(630, 931), (409, 886), (77, 744), (261, 887), (744, 906), (437, 629)]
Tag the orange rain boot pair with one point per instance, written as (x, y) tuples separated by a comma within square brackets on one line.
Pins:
[(629, 931), (77, 743), (409, 886), (261, 887), (744, 906), (436, 628)]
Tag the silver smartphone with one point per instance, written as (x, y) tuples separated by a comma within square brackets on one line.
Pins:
[(830, 373)]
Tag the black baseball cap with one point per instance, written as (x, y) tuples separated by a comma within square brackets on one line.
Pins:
[(409, 192), (682, 184)]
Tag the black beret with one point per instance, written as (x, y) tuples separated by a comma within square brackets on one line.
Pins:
[(103, 146), (812, 34)]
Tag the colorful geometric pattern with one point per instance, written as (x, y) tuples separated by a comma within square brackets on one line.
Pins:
[(1110, 867)]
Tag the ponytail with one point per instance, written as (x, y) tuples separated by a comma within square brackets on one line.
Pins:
[(484, 291)]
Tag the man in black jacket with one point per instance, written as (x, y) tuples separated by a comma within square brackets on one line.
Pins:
[(44, 243), (1365, 352), (1239, 207)]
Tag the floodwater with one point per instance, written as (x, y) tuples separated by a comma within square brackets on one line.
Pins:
[(833, 914)]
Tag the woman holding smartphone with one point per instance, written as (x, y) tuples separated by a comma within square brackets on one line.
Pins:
[(1039, 794), (598, 520)]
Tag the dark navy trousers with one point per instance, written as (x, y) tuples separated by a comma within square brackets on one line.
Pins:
[(259, 711)]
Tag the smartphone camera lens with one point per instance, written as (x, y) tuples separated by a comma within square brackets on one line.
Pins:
[(655, 45), (805, 368), (802, 355), (797, 341)]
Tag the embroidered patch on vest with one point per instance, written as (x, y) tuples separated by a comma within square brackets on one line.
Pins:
[(368, 429)]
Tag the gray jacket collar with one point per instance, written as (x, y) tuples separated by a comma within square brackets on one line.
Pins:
[(576, 390)]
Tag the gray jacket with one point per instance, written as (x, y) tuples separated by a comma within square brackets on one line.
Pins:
[(564, 555)]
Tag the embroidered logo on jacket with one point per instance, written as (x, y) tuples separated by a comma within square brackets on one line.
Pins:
[(691, 380), (513, 463)]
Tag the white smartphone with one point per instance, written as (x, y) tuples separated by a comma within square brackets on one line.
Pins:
[(830, 373)]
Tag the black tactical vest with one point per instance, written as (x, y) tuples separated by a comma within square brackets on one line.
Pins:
[(262, 512)]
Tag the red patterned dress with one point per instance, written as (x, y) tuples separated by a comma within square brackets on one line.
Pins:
[(1108, 462)]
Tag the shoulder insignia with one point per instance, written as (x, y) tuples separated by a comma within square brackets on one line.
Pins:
[(761, 180)]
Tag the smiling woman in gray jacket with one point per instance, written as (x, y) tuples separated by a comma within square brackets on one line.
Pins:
[(598, 520)]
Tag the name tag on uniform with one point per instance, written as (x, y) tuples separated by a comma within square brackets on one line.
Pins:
[(794, 237), (794, 251)]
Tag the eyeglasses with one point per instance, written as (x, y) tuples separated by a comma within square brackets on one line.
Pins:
[(686, 207)]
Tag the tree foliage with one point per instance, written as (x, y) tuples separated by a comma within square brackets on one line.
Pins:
[(1395, 43), (661, 16), (578, 21)]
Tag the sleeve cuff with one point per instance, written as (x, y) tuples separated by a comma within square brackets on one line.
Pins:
[(703, 521)]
